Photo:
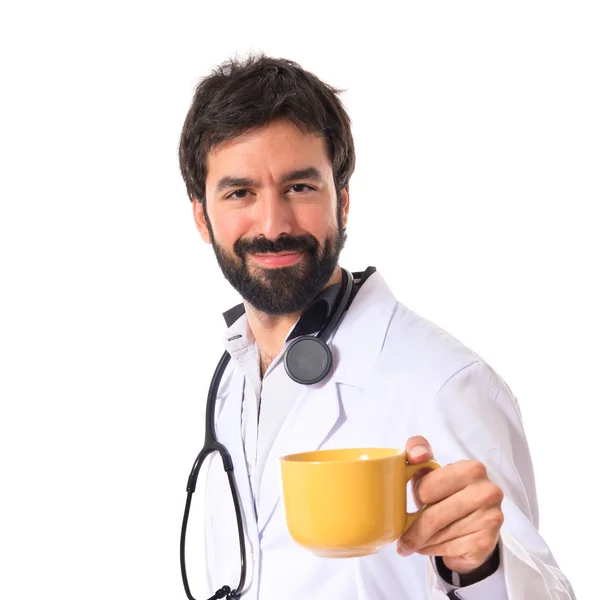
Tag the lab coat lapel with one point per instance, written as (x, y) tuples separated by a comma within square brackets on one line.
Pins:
[(313, 417), (358, 341)]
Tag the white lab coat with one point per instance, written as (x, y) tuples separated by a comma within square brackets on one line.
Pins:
[(395, 375)]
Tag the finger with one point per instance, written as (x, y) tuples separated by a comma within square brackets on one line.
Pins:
[(460, 546), (450, 479), (415, 481), (464, 553), (418, 450), (483, 519), (434, 519)]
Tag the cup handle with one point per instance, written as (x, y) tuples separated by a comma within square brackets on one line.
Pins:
[(410, 471)]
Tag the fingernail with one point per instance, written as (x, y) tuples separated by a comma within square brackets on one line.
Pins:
[(418, 452)]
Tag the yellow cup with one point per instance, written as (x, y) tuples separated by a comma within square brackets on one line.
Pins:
[(350, 502)]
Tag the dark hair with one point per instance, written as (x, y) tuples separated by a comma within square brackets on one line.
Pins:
[(240, 95)]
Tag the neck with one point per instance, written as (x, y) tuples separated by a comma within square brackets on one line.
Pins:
[(270, 331)]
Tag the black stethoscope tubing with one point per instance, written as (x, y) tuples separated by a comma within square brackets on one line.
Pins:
[(212, 445)]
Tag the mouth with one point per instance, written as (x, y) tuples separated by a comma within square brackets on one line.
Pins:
[(276, 260)]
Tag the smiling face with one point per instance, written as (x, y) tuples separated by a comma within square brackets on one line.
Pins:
[(273, 215)]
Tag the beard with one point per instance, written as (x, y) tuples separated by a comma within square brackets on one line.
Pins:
[(283, 290)]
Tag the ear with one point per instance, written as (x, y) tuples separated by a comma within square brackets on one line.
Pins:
[(200, 220), (345, 193)]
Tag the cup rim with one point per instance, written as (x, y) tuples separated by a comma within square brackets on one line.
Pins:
[(388, 453)]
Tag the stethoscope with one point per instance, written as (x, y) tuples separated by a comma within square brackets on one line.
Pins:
[(307, 360)]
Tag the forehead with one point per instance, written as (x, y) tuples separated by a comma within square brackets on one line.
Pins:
[(270, 150)]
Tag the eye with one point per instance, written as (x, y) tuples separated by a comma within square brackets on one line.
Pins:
[(237, 195), (301, 187)]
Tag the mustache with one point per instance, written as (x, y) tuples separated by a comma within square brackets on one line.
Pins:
[(285, 243)]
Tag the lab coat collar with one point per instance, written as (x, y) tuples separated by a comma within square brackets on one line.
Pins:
[(358, 340), (238, 337)]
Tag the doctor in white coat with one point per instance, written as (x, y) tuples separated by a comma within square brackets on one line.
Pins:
[(266, 153)]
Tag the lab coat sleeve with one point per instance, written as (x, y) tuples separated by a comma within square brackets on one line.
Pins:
[(492, 587), (475, 416)]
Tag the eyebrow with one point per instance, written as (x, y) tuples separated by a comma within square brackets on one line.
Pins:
[(308, 173)]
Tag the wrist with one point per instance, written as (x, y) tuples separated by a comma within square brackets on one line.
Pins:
[(489, 567)]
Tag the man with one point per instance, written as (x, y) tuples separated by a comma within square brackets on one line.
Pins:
[(267, 154)]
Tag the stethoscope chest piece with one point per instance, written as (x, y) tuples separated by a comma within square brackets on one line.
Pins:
[(307, 360)]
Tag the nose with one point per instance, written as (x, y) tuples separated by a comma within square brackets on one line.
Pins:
[(275, 216)]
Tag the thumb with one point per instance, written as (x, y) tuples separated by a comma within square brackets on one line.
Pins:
[(418, 450)]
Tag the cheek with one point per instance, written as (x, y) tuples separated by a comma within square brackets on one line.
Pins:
[(317, 220), (228, 229)]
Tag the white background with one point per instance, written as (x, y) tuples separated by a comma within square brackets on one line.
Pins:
[(476, 195)]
